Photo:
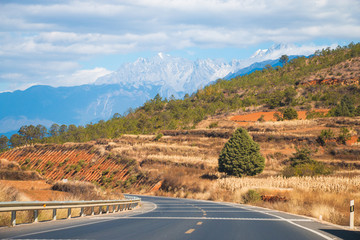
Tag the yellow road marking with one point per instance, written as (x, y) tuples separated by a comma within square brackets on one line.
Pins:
[(199, 223), (190, 231)]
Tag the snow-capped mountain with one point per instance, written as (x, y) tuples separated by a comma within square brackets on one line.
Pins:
[(128, 87), (177, 76)]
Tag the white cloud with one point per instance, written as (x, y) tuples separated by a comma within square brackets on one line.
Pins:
[(62, 78), (12, 75), (66, 32), (80, 77)]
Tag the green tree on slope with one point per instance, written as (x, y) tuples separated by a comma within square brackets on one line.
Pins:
[(3, 142), (241, 155)]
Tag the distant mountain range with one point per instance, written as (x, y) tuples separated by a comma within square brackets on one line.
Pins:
[(128, 87)]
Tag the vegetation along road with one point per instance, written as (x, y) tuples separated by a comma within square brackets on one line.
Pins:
[(172, 218)]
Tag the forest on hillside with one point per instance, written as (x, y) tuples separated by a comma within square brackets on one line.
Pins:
[(271, 88)]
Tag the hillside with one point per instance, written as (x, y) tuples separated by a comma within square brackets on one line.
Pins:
[(134, 160), (272, 88)]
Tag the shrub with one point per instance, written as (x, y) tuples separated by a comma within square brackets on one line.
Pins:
[(158, 137), (344, 109), (49, 165), (278, 117), (261, 118), (290, 113), (301, 156), (313, 114), (307, 169), (344, 135), (325, 135), (251, 196), (241, 155), (302, 164), (82, 190), (357, 111), (214, 125)]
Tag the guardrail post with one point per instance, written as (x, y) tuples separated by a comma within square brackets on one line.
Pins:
[(100, 210), (82, 212), (13, 218), (54, 214), (36, 215), (69, 213), (118, 208), (92, 211), (114, 208), (352, 209), (107, 209)]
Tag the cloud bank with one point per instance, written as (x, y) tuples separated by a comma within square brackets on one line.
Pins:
[(45, 39)]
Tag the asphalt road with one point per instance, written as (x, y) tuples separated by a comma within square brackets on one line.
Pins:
[(170, 218)]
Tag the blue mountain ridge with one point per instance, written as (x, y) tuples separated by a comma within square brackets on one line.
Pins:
[(77, 105), (256, 67), (83, 104)]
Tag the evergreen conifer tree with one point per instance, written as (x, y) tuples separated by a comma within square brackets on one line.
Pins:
[(241, 155)]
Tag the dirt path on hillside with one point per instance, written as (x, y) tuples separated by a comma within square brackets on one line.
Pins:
[(268, 116)]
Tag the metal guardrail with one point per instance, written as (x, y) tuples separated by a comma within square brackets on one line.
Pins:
[(117, 205)]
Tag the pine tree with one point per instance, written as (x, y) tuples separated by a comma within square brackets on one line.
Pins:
[(241, 155)]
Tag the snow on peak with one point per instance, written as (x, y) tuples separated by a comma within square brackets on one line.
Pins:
[(259, 53), (180, 75), (274, 52), (172, 74)]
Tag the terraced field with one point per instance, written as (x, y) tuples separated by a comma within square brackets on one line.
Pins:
[(76, 162)]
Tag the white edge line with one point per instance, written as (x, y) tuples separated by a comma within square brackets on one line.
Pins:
[(298, 225)]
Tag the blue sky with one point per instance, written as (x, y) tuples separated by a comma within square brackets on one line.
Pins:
[(64, 43)]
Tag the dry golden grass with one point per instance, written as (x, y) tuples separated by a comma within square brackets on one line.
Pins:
[(6, 164), (285, 124), (184, 159), (312, 196), (12, 194), (322, 183), (85, 191)]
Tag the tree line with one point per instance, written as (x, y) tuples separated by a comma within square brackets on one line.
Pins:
[(273, 88)]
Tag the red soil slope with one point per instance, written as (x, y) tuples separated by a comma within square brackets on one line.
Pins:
[(268, 116), (80, 162)]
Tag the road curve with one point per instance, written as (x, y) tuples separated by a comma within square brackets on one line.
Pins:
[(171, 218)]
